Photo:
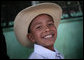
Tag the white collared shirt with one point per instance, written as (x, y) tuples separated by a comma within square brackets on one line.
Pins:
[(41, 52)]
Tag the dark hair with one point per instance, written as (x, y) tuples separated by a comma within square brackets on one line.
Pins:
[(35, 18)]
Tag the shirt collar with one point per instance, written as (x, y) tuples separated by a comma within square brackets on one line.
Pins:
[(44, 51)]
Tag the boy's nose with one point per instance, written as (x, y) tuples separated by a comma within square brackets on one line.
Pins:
[(46, 29)]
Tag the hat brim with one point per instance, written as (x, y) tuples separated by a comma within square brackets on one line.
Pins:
[(25, 16)]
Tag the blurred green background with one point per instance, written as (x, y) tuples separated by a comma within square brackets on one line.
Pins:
[(69, 41), (70, 38)]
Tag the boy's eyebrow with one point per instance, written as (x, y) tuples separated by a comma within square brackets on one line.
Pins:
[(41, 23), (38, 23), (51, 20)]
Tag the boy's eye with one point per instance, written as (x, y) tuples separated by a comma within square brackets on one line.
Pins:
[(39, 27), (50, 24)]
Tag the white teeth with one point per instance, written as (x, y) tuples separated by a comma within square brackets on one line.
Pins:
[(48, 36)]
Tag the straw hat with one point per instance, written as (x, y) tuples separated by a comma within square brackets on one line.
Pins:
[(24, 18)]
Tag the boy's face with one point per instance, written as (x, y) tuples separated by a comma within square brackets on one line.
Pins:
[(43, 31)]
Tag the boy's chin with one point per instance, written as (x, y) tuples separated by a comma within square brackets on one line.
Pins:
[(49, 45), (49, 42)]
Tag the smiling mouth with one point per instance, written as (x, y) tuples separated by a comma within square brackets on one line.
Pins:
[(48, 36)]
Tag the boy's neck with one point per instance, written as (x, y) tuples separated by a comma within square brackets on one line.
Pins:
[(50, 48)]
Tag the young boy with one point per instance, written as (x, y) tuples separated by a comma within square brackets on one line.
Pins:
[(37, 25)]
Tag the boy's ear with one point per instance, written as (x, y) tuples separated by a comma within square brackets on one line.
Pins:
[(30, 37)]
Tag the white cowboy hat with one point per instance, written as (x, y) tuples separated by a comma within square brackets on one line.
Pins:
[(24, 18)]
